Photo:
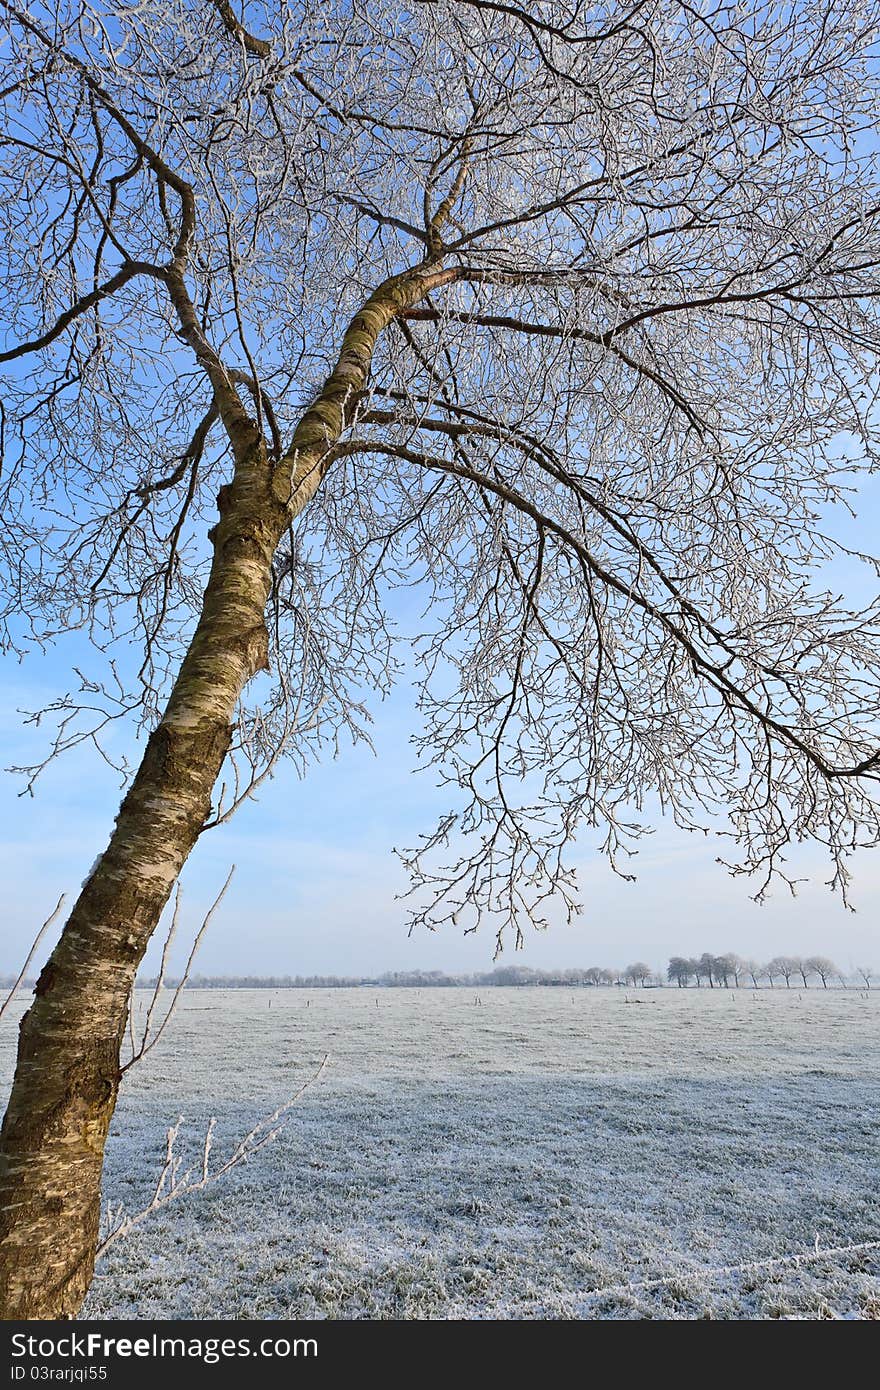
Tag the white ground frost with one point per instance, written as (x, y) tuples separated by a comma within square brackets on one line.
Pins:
[(541, 1154)]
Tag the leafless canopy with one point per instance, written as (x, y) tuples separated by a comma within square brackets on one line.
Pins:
[(603, 452)]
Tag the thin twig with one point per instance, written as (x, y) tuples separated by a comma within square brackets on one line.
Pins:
[(148, 1043), (171, 1183), (31, 953)]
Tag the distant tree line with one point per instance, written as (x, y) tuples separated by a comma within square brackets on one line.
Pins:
[(728, 971)]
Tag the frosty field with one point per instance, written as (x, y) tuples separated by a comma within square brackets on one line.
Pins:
[(522, 1157)]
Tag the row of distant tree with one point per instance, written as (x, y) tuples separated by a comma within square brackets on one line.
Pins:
[(727, 971), (731, 971)]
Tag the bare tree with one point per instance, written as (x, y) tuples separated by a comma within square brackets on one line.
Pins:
[(566, 316), (706, 968), (638, 973), (823, 967), (679, 970), (728, 967), (770, 971), (786, 966), (753, 970), (867, 973)]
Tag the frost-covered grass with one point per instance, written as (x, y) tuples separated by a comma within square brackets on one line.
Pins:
[(509, 1159)]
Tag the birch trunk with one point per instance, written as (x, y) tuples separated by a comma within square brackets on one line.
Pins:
[(67, 1077), (67, 1074)]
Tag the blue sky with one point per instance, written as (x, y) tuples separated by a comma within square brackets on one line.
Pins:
[(315, 882)]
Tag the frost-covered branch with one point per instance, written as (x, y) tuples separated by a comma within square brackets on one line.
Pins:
[(176, 1181), (149, 1038), (35, 945)]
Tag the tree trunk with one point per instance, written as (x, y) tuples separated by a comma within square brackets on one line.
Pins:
[(67, 1077), (67, 1074)]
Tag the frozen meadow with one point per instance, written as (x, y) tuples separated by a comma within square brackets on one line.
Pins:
[(543, 1153)]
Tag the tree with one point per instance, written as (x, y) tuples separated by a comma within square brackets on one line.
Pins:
[(867, 973), (515, 975), (823, 967), (558, 314), (637, 974), (753, 970), (726, 967), (786, 966), (679, 970), (804, 969), (706, 968), (575, 976)]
